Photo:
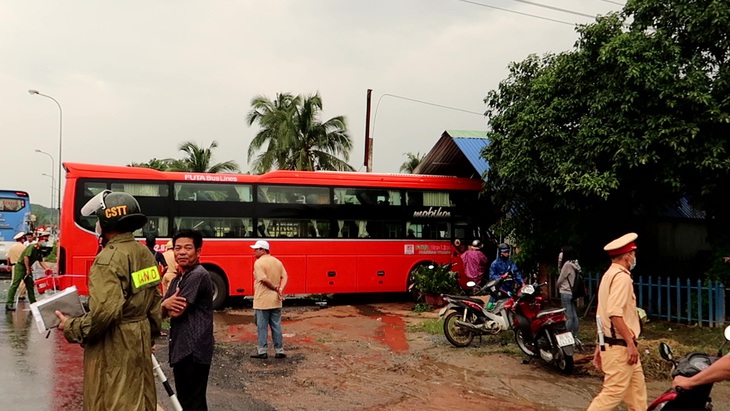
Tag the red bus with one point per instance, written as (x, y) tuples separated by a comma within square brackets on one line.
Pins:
[(335, 232)]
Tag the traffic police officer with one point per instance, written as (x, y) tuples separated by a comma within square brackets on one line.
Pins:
[(23, 271), (124, 311), (624, 376)]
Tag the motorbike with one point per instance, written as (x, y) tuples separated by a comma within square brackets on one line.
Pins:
[(697, 398), (468, 317), (542, 333)]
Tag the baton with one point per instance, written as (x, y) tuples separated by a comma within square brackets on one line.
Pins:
[(161, 376), (601, 343)]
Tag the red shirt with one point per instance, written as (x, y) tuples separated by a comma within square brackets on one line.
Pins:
[(475, 263)]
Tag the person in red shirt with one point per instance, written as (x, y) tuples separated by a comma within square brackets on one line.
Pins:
[(475, 262)]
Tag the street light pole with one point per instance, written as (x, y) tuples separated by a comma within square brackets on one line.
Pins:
[(53, 188), (60, 145), (53, 167)]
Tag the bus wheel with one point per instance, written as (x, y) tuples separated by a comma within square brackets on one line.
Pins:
[(220, 289)]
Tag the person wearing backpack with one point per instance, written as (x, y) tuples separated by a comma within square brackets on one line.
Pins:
[(571, 287)]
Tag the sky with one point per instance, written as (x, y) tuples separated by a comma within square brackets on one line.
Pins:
[(134, 79)]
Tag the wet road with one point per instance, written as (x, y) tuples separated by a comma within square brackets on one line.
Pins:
[(36, 373)]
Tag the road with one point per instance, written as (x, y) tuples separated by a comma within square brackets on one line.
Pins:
[(366, 355)]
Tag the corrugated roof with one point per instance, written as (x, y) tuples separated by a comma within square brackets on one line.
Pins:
[(472, 149), (682, 209), (457, 153)]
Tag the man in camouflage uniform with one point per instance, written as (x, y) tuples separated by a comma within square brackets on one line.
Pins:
[(124, 311), (23, 271)]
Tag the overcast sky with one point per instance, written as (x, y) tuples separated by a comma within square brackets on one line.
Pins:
[(136, 78)]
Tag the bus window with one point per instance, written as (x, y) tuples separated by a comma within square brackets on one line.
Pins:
[(11, 204), (142, 189), (229, 227), (155, 225), (239, 193), (383, 229), (430, 230), (293, 195), (367, 196), (92, 189), (428, 198), (293, 228)]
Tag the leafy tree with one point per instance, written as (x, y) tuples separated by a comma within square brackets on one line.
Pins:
[(198, 159), (157, 164), (294, 136), (635, 117), (413, 160)]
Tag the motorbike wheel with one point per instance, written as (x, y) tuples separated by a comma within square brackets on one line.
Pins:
[(564, 362), (457, 336), (520, 340)]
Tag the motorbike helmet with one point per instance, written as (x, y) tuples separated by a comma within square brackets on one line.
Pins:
[(115, 212), (504, 248), (476, 244)]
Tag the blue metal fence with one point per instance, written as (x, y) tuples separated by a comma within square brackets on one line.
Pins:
[(674, 299)]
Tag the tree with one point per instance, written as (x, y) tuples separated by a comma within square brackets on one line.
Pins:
[(413, 160), (157, 164), (635, 117), (198, 160), (294, 136)]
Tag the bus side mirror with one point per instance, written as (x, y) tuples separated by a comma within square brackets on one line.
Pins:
[(727, 333)]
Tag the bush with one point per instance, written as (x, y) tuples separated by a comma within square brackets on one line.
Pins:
[(435, 279)]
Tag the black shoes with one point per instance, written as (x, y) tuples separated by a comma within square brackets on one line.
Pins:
[(9, 308), (265, 356)]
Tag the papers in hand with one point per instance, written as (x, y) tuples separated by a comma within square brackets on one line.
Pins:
[(66, 301)]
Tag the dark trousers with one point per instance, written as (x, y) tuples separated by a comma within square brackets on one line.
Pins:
[(191, 384)]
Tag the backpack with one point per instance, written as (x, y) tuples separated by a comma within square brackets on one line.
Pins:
[(578, 288)]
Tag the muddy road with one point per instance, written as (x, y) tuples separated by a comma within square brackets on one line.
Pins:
[(365, 356)]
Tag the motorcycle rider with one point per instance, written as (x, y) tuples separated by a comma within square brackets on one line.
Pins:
[(504, 265), (718, 371)]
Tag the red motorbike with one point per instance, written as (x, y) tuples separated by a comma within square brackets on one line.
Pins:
[(691, 364), (542, 333)]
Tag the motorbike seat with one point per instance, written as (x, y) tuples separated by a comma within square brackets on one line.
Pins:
[(461, 297), (551, 311)]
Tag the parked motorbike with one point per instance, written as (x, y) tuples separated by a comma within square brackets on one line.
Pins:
[(469, 317), (542, 333), (697, 398)]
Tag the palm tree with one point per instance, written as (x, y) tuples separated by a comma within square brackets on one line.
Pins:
[(412, 162), (296, 139), (198, 160)]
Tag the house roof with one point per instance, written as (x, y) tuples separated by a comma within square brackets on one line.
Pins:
[(457, 153)]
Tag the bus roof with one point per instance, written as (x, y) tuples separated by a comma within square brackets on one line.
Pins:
[(325, 178)]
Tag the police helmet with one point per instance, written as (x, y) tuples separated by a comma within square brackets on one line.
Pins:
[(116, 211)]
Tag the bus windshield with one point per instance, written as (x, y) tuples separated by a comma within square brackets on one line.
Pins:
[(14, 217)]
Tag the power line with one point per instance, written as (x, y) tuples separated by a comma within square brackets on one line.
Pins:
[(375, 114), (519, 12), (577, 13), (614, 2), (427, 103)]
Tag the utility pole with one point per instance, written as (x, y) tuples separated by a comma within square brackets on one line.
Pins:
[(368, 140)]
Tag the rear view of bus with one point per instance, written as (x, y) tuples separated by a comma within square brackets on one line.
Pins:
[(14, 217)]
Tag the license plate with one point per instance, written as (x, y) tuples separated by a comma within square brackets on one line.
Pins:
[(443, 311), (565, 339)]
